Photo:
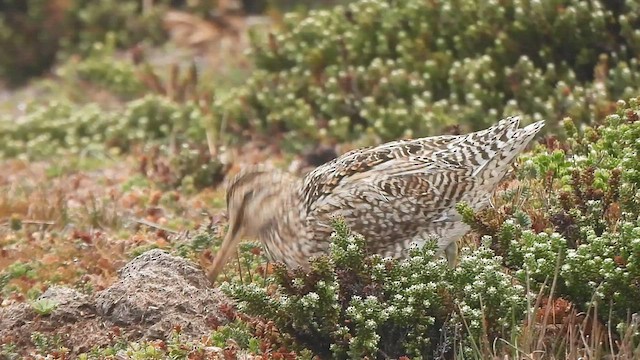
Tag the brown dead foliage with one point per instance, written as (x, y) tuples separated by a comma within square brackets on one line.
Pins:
[(79, 227)]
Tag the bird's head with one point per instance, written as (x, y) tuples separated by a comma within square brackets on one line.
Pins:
[(253, 198)]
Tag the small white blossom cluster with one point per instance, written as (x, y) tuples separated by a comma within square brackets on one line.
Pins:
[(597, 209)]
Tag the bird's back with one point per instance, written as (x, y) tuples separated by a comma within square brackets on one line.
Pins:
[(405, 190)]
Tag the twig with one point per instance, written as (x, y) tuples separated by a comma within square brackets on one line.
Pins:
[(211, 139), (264, 275), (156, 226), (38, 222), (239, 267), (550, 299), (30, 222)]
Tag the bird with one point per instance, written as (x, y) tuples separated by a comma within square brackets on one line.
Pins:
[(396, 195)]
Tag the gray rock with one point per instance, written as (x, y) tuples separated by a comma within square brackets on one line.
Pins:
[(72, 305), (159, 291)]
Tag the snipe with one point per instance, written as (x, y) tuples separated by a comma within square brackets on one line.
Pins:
[(395, 194)]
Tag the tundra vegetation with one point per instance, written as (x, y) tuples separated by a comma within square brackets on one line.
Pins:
[(117, 131)]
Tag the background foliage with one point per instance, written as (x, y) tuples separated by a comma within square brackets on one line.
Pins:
[(412, 68), (35, 32)]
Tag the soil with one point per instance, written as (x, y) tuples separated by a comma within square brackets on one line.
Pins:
[(155, 294)]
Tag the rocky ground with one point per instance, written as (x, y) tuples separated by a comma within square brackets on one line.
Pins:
[(155, 294)]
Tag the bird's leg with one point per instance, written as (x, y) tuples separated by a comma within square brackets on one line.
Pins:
[(451, 253)]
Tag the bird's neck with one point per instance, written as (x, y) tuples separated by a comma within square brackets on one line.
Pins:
[(286, 232)]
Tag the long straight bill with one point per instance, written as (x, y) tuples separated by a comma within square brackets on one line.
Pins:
[(229, 245)]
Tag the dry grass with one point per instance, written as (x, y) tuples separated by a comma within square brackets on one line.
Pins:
[(79, 227)]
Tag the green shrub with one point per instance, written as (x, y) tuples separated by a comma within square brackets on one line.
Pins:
[(190, 166), (62, 128), (377, 68), (587, 198), (168, 135), (101, 68), (54, 128), (34, 32), (353, 305), (30, 37), (91, 21)]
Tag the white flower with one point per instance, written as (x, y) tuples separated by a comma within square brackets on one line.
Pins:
[(370, 324)]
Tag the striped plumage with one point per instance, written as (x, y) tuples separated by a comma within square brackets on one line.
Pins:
[(395, 194)]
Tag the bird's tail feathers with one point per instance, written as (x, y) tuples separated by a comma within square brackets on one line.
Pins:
[(508, 142)]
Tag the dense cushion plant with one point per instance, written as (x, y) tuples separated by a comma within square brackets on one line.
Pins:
[(567, 226), (379, 70), (351, 305)]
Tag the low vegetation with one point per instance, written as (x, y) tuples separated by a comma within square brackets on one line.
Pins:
[(378, 70), (116, 153), (560, 241)]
